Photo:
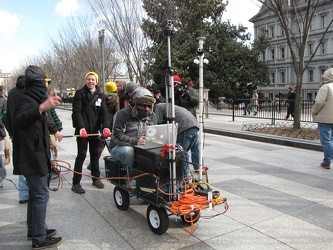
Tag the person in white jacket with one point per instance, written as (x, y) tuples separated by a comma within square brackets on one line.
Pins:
[(322, 113)]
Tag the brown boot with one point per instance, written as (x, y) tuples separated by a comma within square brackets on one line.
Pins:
[(78, 189), (97, 183)]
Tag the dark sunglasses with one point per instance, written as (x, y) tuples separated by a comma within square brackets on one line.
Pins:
[(145, 106)]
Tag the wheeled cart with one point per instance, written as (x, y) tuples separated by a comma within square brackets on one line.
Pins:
[(152, 177)]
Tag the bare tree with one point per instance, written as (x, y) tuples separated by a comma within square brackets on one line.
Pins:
[(76, 51), (295, 17), (122, 19)]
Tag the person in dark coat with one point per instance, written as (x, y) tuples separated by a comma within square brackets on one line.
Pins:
[(123, 96), (158, 97), (291, 103), (89, 116), (112, 104), (246, 99), (184, 96), (31, 153), (14, 95), (129, 129)]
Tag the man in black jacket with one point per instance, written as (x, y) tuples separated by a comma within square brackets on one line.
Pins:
[(31, 153), (14, 95)]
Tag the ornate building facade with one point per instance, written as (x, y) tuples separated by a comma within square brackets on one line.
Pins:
[(282, 73)]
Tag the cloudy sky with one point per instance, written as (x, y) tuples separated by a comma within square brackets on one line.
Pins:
[(26, 24)]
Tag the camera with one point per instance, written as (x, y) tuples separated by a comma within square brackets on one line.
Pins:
[(184, 89), (169, 23)]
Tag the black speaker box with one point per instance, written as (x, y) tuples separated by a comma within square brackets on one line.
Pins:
[(151, 161)]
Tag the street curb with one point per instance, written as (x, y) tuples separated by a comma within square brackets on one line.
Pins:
[(291, 142)]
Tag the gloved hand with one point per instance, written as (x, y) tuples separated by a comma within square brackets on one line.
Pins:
[(83, 133), (106, 133)]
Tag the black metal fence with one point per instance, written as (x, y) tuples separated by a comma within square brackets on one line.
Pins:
[(267, 109)]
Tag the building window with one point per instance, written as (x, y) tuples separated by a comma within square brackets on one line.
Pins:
[(324, 21), (310, 96), (282, 53), (273, 77), (310, 72), (272, 31), (264, 56), (310, 49), (282, 77), (324, 48), (273, 54)]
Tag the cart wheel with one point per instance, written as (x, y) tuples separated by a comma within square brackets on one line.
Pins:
[(158, 219), (121, 198), (187, 217)]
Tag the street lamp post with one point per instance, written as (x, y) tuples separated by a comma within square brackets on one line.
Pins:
[(200, 51), (101, 37)]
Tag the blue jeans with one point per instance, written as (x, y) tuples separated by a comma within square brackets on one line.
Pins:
[(246, 108), (37, 203), (326, 140), (195, 153), (188, 139), (125, 155), (23, 188)]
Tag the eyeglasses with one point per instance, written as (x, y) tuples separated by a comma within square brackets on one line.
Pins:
[(145, 106)]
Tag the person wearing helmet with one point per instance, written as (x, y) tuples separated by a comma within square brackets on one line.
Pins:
[(129, 126)]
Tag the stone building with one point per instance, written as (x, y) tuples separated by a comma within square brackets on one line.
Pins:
[(282, 73)]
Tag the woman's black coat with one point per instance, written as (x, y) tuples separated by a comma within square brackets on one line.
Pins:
[(89, 111)]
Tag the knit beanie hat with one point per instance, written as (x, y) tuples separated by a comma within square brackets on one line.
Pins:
[(91, 73), (131, 86), (176, 78), (110, 87), (327, 76), (190, 84)]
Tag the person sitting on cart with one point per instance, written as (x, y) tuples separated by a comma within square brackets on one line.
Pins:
[(187, 132), (129, 125)]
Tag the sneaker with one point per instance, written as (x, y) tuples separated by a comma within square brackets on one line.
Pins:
[(325, 165), (49, 242), (49, 232), (97, 183), (23, 201), (78, 189)]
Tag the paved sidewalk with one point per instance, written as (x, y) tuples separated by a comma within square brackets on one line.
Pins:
[(278, 196)]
